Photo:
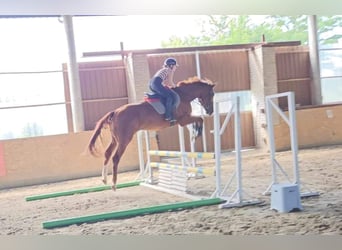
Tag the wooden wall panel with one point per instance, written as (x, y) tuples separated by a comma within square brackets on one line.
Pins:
[(229, 69), (103, 88), (186, 61), (294, 74)]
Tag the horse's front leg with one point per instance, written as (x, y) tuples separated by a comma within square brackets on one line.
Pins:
[(197, 128), (196, 121)]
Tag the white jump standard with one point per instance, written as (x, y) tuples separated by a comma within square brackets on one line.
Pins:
[(291, 122), (237, 198)]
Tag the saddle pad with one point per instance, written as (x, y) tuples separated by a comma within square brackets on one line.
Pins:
[(157, 105)]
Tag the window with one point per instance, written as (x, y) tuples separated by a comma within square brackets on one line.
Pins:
[(245, 102), (32, 105), (331, 69), (32, 101)]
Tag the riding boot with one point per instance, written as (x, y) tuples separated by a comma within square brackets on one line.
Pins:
[(168, 109)]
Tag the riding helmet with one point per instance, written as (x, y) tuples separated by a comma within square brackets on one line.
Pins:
[(170, 62)]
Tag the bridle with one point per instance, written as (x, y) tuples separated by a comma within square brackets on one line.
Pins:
[(208, 105)]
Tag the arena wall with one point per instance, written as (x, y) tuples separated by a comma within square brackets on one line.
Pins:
[(318, 126), (46, 159)]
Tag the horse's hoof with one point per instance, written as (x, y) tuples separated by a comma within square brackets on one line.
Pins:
[(104, 181), (114, 187)]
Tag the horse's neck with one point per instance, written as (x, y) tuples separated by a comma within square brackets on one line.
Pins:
[(186, 93)]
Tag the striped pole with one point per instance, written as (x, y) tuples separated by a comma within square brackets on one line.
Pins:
[(198, 155), (199, 170)]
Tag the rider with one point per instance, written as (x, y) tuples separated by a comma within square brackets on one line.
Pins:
[(161, 84)]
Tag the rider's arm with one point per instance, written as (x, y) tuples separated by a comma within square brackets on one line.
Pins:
[(169, 80)]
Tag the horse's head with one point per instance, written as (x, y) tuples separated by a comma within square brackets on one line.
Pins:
[(203, 90), (206, 99)]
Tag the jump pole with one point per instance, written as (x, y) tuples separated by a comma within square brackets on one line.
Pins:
[(182, 154), (145, 173), (181, 143), (172, 178), (141, 154), (172, 182), (291, 122), (199, 170), (198, 155), (81, 191), (198, 73), (131, 213), (192, 142)]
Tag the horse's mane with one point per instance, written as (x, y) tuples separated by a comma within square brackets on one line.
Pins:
[(194, 79)]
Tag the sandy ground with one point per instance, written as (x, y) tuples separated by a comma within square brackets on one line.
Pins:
[(320, 169)]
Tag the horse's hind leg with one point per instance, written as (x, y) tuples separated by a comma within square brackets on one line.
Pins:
[(108, 154), (117, 157)]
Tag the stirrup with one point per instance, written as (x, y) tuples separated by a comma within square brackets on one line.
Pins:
[(170, 119)]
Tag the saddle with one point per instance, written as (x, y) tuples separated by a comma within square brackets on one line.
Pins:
[(151, 96), (158, 102)]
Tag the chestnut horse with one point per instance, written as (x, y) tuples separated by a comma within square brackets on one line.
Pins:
[(126, 120)]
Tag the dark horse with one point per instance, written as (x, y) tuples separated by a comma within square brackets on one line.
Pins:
[(125, 121)]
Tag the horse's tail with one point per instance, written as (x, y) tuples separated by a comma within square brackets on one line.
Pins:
[(105, 120)]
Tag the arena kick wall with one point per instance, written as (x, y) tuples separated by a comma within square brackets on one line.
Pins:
[(46, 159), (319, 126)]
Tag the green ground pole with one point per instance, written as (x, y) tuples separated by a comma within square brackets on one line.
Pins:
[(131, 213), (81, 191)]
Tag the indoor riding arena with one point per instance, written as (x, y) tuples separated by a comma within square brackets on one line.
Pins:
[(268, 162)]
